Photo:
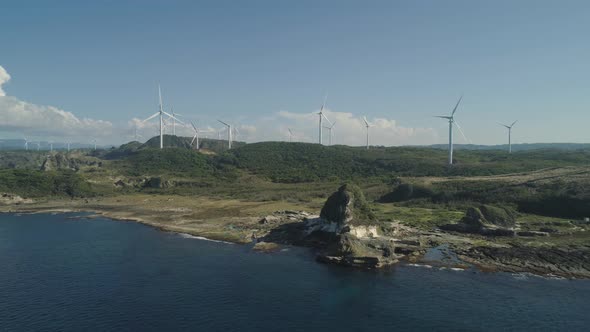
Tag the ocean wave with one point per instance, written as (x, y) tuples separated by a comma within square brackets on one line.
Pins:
[(420, 265), (188, 236)]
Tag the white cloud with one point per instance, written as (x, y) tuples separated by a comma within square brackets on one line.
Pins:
[(4, 77), (22, 118), (348, 129)]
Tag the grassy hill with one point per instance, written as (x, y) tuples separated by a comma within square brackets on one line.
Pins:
[(303, 171), (304, 162)]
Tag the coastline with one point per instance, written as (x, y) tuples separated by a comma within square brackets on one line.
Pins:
[(244, 226)]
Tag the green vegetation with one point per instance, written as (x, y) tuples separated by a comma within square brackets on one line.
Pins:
[(39, 184), (407, 182)]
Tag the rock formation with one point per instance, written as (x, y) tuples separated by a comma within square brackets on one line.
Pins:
[(485, 220), (349, 232)]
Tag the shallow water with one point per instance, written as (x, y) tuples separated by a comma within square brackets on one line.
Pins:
[(65, 274)]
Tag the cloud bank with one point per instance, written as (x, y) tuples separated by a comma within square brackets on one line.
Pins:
[(21, 119), (25, 119)]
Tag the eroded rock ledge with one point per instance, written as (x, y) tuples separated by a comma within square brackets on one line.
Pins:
[(345, 232)]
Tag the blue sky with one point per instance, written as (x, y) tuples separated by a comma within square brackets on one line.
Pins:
[(265, 65)]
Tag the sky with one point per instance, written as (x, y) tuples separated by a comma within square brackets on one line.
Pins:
[(80, 70)]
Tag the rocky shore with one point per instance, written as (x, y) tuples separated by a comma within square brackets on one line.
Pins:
[(344, 233)]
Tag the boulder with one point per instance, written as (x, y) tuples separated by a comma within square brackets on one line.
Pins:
[(485, 220)]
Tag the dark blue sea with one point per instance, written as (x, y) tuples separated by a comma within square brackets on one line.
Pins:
[(64, 274)]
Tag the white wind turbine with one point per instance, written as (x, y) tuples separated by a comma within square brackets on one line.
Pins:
[(321, 114), (94, 142), (290, 135), (509, 134), (135, 135), (330, 127), (26, 144), (196, 135), (174, 118), (161, 113), (229, 133), (38, 145), (367, 125), (452, 121)]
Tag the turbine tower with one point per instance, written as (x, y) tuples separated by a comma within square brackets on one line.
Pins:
[(94, 142), (26, 144), (161, 113), (330, 127), (452, 121), (367, 125), (136, 136), (290, 135), (196, 135), (174, 121), (229, 133), (321, 114), (509, 134)]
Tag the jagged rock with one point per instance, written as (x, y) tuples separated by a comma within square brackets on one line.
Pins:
[(60, 161), (349, 250), (570, 263), (7, 199)]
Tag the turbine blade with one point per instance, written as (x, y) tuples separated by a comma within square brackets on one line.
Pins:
[(461, 131), (442, 117), (170, 116), (366, 122), (455, 109), (194, 137), (194, 127), (151, 117), (325, 117), (513, 123), (223, 123), (501, 124), (160, 95)]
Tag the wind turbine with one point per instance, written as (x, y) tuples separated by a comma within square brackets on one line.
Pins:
[(229, 133), (38, 146), (290, 135), (367, 125), (26, 144), (330, 130), (196, 135), (509, 134), (94, 141), (161, 113), (321, 114), (452, 121), (135, 134), (174, 121)]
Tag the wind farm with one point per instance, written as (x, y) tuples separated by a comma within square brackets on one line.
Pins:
[(294, 166)]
